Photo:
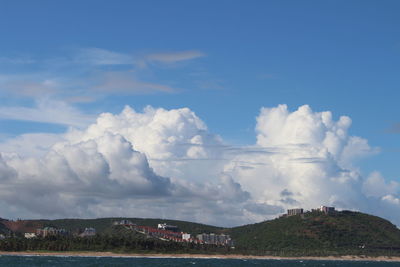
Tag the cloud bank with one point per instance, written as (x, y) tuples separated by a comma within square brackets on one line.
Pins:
[(166, 163)]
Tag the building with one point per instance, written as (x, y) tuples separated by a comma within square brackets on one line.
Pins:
[(292, 212), (49, 231), (166, 227), (88, 232), (185, 236), (214, 239), (326, 209), (29, 235), (124, 222)]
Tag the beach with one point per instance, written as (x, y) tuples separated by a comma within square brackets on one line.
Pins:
[(195, 256)]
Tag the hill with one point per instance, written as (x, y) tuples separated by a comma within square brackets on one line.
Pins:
[(316, 233), (103, 224), (310, 234)]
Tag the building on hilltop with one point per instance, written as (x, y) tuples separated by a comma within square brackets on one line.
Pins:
[(292, 212), (326, 209), (166, 227), (123, 222)]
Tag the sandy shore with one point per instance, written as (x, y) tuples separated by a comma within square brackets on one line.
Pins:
[(198, 256)]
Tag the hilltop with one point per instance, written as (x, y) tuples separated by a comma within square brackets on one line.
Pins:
[(309, 234), (317, 233)]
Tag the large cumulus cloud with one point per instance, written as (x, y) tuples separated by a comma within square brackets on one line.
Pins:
[(165, 163), (171, 139), (307, 159), (144, 164)]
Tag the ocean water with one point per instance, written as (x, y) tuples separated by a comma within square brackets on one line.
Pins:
[(44, 261)]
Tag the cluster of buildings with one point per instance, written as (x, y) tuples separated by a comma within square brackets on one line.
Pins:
[(325, 209), (224, 240), (300, 211), (52, 231), (160, 233), (173, 233)]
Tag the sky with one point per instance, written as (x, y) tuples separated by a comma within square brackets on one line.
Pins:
[(220, 112)]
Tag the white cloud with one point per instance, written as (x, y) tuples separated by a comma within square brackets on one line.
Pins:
[(165, 163), (376, 186), (93, 171), (176, 141), (30, 145), (391, 199), (308, 162)]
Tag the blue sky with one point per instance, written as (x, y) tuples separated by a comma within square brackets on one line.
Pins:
[(222, 59)]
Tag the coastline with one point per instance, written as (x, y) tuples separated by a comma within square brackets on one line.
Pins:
[(195, 256)]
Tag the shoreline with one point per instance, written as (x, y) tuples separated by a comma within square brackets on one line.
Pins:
[(195, 256)]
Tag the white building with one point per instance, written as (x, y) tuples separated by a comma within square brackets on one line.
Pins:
[(29, 235), (164, 226), (326, 209), (185, 236)]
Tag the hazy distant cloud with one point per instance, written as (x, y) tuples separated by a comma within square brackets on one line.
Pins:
[(126, 82), (16, 60), (80, 99), (395, 128), (173, 57), (71, 77), (210, 84), (29, 87), (47, 111), (87, 74), (98, 56)]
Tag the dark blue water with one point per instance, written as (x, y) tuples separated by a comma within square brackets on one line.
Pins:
[(110, 261)]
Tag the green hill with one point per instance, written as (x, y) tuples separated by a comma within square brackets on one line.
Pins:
[(103, 224), (313, 234), (3, 229), (316, 233)]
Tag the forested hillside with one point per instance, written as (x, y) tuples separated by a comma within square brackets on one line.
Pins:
[(318, 233)]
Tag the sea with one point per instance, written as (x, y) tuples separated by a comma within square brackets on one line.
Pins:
[(44, 261)]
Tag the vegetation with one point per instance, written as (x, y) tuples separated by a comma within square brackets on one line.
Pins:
[(104, 224), (316, 233), (116, 239), (313, 233)]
